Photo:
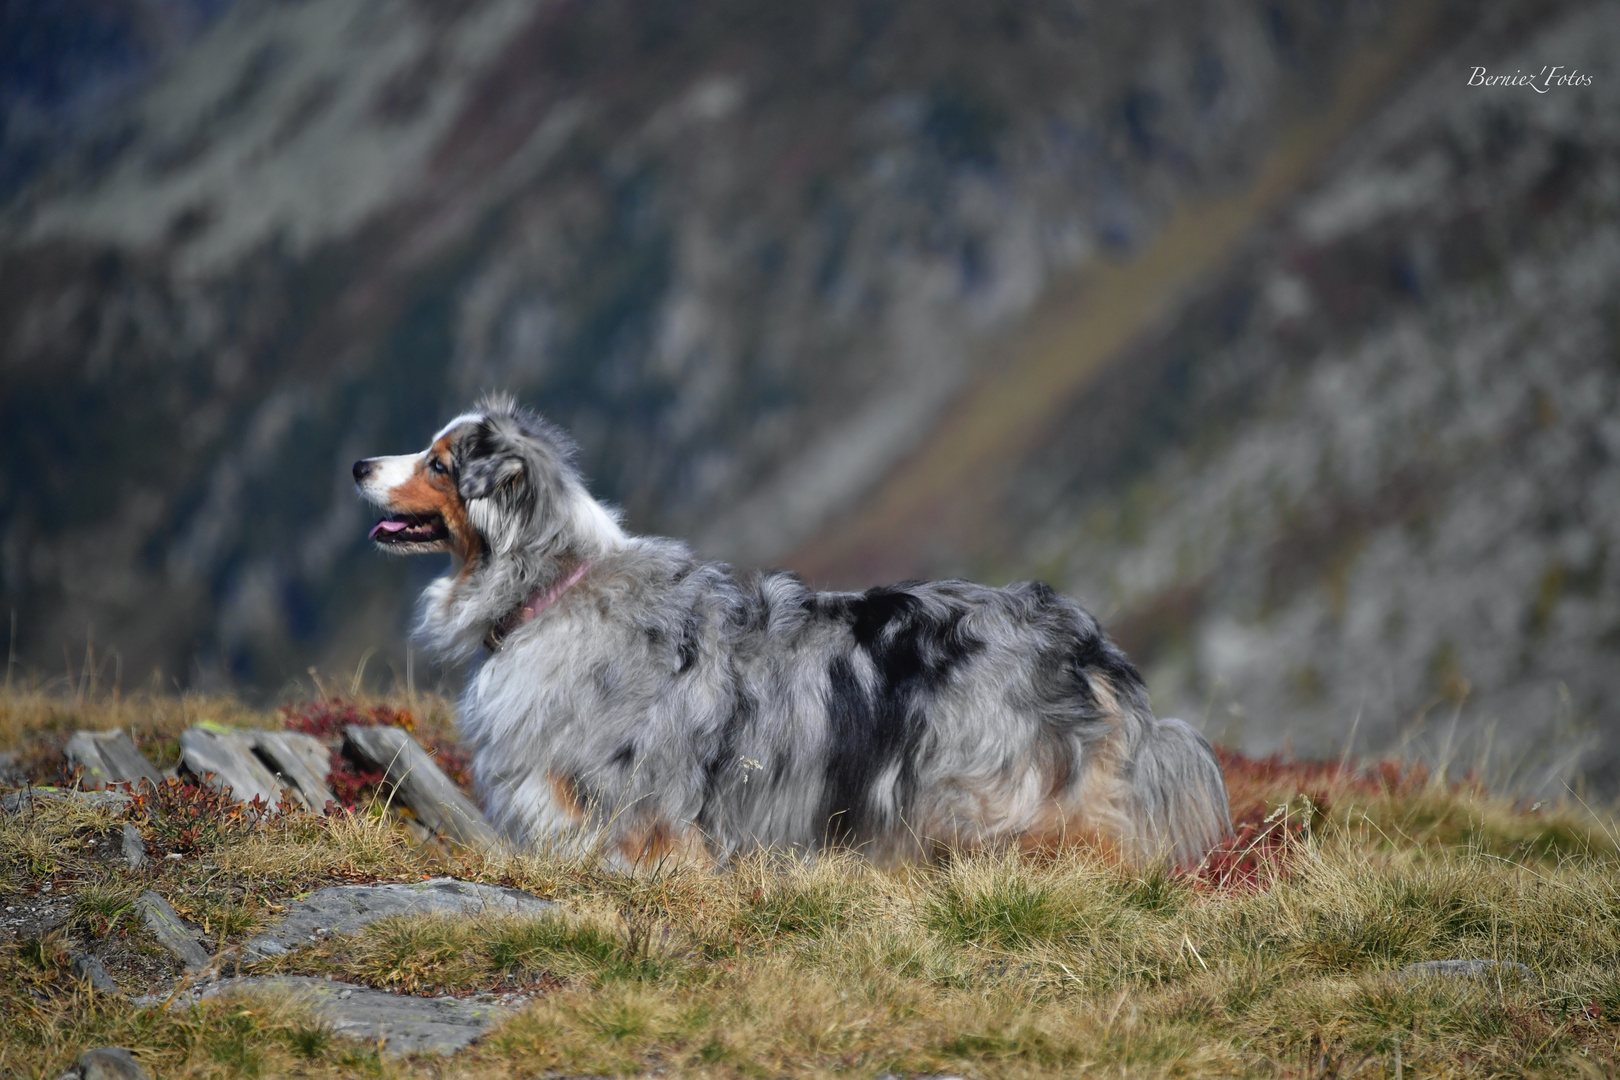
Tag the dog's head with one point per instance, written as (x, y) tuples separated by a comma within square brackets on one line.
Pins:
[(490, 479)]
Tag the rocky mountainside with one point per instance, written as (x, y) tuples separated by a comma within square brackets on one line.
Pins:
[(1253, 325), (746, 254), (65, 65), (1364, 484)]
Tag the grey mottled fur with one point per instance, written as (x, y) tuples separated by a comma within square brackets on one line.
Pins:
[(662, 703)]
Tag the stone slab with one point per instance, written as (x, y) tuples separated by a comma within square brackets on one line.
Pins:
[(171, 932), (225, 759), (302, 761), (1466, 969), (349, 909), (400, 1023), (108, 757), (422, 785)]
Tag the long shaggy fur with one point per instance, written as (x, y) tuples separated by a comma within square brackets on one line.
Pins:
[(663, 705)]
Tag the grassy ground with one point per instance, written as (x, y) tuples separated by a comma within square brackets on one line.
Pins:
[(1279, 959)]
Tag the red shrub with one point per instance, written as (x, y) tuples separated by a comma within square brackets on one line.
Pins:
[(326, 719), (1277, 801), (185, 817)]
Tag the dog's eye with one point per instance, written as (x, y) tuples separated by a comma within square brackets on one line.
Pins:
[(436, 465)]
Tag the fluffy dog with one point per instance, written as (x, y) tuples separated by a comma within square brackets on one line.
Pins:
[(632, 698)]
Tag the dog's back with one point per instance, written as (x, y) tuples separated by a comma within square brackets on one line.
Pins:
[(664, 705)]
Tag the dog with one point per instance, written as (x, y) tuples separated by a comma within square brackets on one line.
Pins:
[(627, 697)]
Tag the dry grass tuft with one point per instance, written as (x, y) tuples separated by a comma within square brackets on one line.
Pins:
[(1281, 958)]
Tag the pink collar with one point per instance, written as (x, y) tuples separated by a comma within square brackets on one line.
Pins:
[(537, 602)]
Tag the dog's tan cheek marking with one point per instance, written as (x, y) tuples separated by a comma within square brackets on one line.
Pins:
[(464, 540), (428, 492), (421, 494)]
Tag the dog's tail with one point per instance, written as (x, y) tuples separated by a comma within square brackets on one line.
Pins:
[(1179, 793)]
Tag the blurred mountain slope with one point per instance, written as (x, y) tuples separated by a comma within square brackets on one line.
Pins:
[(64, 65), (745, 254), (1366, 480)]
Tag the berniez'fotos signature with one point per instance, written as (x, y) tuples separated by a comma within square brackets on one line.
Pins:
[(1548, 78)]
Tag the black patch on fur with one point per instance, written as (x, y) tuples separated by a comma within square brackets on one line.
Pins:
[(607, 680), (723, 759), (484, 459), (914, 652), (687, 650), (859, 747), (589, 801), (623, 756), (1080, 653)]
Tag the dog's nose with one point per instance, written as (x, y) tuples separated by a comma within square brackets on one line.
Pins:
[(362, 469)]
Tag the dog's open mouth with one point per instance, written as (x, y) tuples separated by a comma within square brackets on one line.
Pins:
[(410, 529)]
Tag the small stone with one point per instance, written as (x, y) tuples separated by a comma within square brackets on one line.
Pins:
[(404, 1024), (110, 1063), (349, 909), (1466, 969), (133, 847), (87, 967), (171, 933), (11, 774)]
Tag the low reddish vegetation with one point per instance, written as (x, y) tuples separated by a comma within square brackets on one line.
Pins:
[(326, 719), (1277, 801), (186, 817)]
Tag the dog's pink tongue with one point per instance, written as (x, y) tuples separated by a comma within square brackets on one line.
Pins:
[(386, 526)]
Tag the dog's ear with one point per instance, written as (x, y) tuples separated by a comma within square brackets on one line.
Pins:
[(481, 477), (488, 463)]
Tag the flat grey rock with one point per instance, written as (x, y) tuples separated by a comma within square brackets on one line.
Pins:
[(422, 785), (171, 933), (26, 798), (87, 967), (110, 1063), (259, 764), (349, 909), (1466, 969), (108, 757), (403, 1024), (225, 759), (302, 762), (132, 847), (11, 774)]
